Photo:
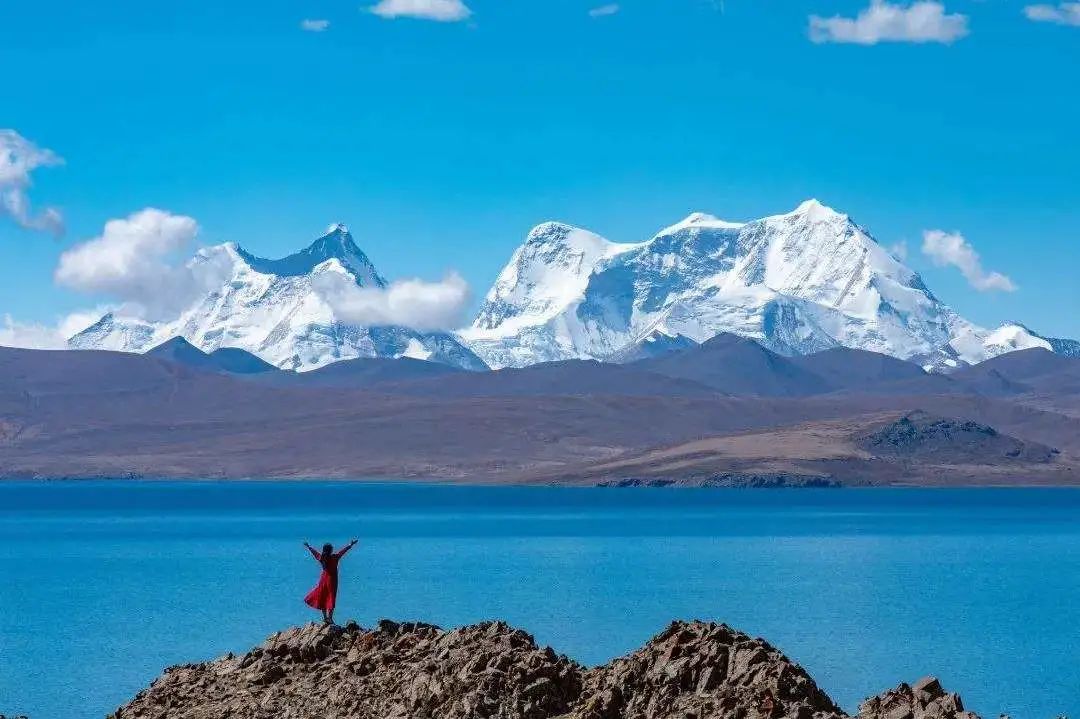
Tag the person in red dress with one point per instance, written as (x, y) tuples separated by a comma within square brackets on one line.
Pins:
[(324, 595)]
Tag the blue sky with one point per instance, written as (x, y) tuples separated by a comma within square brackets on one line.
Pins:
[(442, 143)]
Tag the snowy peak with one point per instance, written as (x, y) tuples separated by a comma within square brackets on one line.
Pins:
[(558, 239), (796, 282), (278, 311), (336, 244), (820, 255), (700, 218), (1014, 336), (812, 216), (700, 221), (546, 274), (814, 210), (114, 333)]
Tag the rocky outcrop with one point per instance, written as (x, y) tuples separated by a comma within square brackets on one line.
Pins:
[(923, 700), (734, 480), (920, 435), (396, 671), (692, 670), (702, 670)]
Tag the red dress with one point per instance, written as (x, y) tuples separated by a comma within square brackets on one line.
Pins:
[(324, 595)]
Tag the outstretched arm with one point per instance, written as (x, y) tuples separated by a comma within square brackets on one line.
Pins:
[(346, 548), (312, 550)]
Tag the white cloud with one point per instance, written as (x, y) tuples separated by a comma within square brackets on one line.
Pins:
[(604, 10), (411, 303), (1066, 13), (921, 22), (951, 249), (44, 337), (29, 336), (138, 260), (900, 251), (438, 10), (76, 322), (314, 25), (19, 157)]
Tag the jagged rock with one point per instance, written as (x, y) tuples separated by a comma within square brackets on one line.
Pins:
[(396, 671), (923, 700), (692, 670), (702, 670)]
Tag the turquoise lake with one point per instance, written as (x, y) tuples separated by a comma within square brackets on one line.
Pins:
[(103, 584)]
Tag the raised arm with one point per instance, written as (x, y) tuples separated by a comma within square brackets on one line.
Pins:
[(346, 548), (314, 553)]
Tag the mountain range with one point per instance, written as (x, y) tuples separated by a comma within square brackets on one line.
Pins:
[(724, 366), (273, 309), (796, 283), (788, 351), (728, 411)]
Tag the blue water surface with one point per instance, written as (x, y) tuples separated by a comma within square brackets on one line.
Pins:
[(103, 584)]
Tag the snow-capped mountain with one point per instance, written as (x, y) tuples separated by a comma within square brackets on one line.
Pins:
[(797, 283), (1016, 336), (272, 309)]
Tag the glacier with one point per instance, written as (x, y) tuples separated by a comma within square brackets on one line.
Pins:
[(272, 309), (798, 283)]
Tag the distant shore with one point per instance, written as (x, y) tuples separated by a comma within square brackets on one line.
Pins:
[(748, 483)]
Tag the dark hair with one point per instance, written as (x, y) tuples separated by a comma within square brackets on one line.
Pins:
[(327, 550)]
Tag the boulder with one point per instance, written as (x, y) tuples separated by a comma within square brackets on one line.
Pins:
[(925, 699)]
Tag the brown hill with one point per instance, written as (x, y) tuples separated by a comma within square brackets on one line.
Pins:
[(105, 414), (873, 449)]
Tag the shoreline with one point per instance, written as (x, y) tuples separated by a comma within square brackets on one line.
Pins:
[(672, 486)]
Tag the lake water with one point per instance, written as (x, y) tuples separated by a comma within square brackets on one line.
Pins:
[(102, 584)]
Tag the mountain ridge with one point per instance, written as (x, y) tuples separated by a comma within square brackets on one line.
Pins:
[(113, 414), (274, 310), (225, 359), (798, 282)]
